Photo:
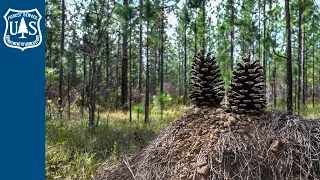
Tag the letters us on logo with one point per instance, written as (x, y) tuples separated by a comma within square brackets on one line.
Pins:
[(22, 29)]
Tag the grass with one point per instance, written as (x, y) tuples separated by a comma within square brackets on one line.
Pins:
[(73, 151), (307, 110)]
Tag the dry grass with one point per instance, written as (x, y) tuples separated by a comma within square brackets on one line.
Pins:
[(75, 152)]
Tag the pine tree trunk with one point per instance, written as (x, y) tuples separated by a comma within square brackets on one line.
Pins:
[(185, 65), (140, 50), (300, 54), (179, 71), (305, 79), (146, 113), (270, 46), (195, 36), (84, 78), (161, 56), (107, 54), (92, 97), (162, 51), (73, 65), (107, 63), (61, 58), (304, 68), (97, 87), (264, 45), (313, 55), (232, 34), (68, 90), (289, 58), (157, 64), (130, 78), (295, 98), (253, 41), (204, 25), (275, 84), (124, 66), (49, 44), (259, 38), (117, 71)]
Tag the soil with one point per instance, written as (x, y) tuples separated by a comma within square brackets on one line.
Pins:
[(213, 143)]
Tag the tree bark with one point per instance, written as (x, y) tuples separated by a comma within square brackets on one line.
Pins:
[(124, 66), (179, 71), (92, 97), (84, 76), (275, 84), (61, 58), (289, 58), (313, 54), (259, 38), (300, 54), (204, 25), (130, 77), (117, 70), (68, 89), (146, 113), (304, 68), (232, 34), (161, 56), (140, 49), (73, 63), (185, 65), (49, 44), (107, 63), (195, 29), (107, 54), (162, 50), (264, 45)]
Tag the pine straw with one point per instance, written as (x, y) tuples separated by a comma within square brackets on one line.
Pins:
[(278, 146)]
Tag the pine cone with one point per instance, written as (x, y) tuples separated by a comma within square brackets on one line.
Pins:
[(206, 84), (247, 91)]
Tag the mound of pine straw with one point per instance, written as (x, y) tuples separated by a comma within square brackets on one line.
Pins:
[(209, 143)]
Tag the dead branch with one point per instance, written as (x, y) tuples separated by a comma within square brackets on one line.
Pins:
[(278, 54)]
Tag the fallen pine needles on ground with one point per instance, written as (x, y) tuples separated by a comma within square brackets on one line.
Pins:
[(208, 143)]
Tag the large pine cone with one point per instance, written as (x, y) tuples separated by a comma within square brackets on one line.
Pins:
[(206, 84), (247, 91)]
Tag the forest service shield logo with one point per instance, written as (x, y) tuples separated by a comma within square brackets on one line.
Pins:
[(22, 29)]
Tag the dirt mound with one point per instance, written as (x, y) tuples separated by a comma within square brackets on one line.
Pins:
[(210, 143)]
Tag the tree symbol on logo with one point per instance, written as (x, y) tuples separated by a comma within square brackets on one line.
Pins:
[(22, 28)]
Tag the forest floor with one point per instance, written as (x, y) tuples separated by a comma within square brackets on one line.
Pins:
[(75, 152)]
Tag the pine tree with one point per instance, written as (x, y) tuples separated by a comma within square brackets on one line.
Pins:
[(206, 84), (63, 19), (289, 57), (247, 93), (124, 65), (22, 28)]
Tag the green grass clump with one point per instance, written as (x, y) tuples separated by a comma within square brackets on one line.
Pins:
[(73, 151), (307, 110)]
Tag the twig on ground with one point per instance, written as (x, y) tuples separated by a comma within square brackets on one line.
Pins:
[(128, 166)]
